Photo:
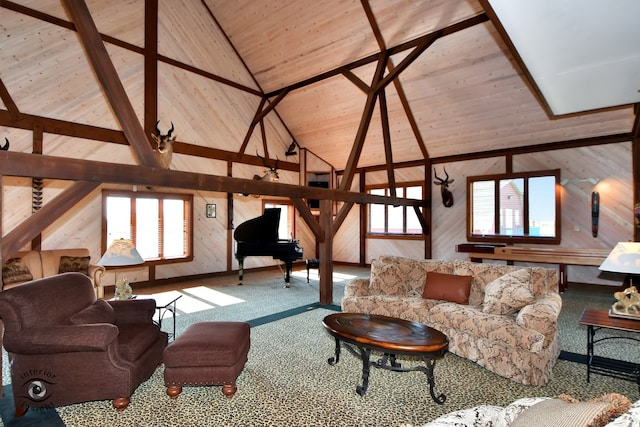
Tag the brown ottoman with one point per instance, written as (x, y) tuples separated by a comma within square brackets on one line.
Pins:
[(207, 353)]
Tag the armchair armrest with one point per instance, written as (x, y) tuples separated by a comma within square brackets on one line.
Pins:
[(542, 315), (62, 339), (95, 273), (134, 310), (357, 288)]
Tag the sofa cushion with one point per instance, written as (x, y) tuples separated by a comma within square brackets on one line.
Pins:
[(569, 412), (447, 287), (15, 270), (98, 312), (71, 264), (509, 293), (451, 318), (387, 279)]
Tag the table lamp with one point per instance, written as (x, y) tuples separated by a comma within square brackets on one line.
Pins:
[(121, 253), (625, 258)]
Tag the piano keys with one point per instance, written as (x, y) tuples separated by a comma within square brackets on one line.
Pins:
[(259, 237)]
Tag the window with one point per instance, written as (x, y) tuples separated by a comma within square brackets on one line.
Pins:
[(285, 229), (395, 220), (160, 225), (508, 208)]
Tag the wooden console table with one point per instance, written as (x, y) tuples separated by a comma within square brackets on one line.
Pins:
[(596, 320), (560, 256)]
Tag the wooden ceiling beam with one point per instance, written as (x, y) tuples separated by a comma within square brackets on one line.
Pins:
[(110, 81), (386, 140), (50, 167), (308, 218), (31, 227), (462, 25), (363, 127), (8, 101)]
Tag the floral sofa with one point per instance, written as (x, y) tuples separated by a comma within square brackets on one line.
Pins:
[(610, 410), (505, 318)]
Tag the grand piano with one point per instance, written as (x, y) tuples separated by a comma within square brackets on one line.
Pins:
[(259, 237)]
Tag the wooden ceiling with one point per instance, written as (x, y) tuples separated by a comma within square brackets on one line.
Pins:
[(466, 93)]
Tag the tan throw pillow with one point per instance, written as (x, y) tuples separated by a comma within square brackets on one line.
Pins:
[(447, 287), (15, 271), (568, 412), (74, 264), (98, 312), (509, 293), (387, 279)]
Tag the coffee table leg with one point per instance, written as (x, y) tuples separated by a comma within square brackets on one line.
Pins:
[(431, 364), (333, 360), (365, 354)]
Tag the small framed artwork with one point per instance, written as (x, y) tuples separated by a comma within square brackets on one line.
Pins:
[(211, 210)]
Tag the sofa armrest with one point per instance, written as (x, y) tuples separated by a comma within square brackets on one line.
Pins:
[(95, 273), (62, 339), (134, 310), (542, 315), (356, 288)]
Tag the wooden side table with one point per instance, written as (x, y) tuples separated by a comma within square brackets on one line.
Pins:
[(596, 320)]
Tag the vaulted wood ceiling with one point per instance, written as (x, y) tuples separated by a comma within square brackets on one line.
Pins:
[(466, 93)]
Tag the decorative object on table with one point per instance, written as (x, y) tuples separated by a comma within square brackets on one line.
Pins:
[(121, 253), (625, 258)]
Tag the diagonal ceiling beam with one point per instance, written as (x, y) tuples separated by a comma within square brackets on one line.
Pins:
[(28, 229), (108, 77), (354, 156)]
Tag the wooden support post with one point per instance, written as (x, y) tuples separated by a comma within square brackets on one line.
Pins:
[(326, 252)]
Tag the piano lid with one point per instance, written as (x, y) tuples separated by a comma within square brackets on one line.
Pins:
[(260, 229)]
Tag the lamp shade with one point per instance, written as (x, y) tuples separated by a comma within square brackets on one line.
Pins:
[(121, 252), (624, 258)]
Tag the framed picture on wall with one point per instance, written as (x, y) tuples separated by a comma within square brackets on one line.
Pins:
[(211, 210)]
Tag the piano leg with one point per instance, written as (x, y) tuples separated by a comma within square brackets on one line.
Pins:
[(240, 269), (287, 275)]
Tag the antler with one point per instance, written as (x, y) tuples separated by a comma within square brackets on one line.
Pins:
[(5, 147), (158, 129), (171, 131)]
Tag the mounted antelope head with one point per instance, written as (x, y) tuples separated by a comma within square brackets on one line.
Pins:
[(164, 145), (5, 147), (447, 197), (270, 173)]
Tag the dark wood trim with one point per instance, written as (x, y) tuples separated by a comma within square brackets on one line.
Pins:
[(635, 131), (635, 165)]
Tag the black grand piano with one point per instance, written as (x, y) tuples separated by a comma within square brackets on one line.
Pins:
[(259, 237)]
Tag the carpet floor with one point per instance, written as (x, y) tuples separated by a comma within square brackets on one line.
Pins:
[(287, 380)]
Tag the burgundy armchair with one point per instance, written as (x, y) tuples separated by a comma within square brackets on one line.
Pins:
[(67, 347)]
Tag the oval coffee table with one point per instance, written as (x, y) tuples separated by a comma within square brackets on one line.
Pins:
[(392, 337)]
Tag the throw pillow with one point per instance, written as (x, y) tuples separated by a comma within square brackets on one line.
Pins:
[(509, 293), (14, 271), (74, 264), (98, 312), (568, 412), (447, 287), (387, 279)]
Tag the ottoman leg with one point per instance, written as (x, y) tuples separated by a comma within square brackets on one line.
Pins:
[(229, 389), (173, 391)]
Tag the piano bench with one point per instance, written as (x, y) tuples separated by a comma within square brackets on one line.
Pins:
[(312, 263)]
